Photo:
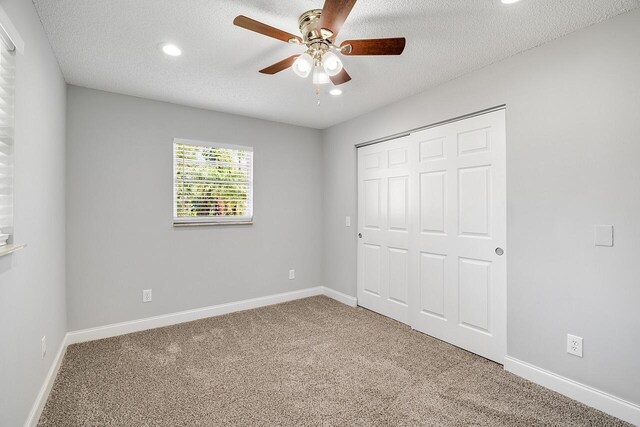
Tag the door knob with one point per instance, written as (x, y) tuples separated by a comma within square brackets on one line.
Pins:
[(360, 235), (499, 251)]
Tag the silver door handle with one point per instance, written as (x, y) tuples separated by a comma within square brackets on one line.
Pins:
[(499, 251)]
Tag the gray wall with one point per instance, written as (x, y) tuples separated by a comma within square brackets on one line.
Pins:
[(573, 144), (32, 281), (119, 204)]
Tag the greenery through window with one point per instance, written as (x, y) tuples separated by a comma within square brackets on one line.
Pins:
[(213, 183)]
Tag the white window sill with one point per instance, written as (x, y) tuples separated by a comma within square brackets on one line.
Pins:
[(207, 223), (9, 249)]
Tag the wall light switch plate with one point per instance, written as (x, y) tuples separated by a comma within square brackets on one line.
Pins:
[(348, 221), (603, 235)]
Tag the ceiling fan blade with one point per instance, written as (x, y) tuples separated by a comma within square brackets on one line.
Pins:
[(334, 13), (340, 78), (393, 46), (279, 66), (259, 27)]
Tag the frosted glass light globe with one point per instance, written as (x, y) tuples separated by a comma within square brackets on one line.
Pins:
[(303, 65), (331, 63), (319, 76)]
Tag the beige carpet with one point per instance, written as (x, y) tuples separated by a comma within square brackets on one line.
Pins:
[(312, 362)]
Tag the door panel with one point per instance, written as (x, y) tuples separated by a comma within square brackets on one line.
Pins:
[(432, 284), (398, 203), (433, 194), (372, 269), (398, 275), (474, 199), (372, 203), (473, 292), (473, 141), (398, 157), (433, 149), (432, 211), (385, 219)]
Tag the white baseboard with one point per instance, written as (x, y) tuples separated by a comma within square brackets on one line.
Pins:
[(43, 394), (590, 396), (339, 296), (123, 328)]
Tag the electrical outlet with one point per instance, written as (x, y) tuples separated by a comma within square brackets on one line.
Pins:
[(347, 221), (574, 345), (146, 295), (292, 274), (43, 347)]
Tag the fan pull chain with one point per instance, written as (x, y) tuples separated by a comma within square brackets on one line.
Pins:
[(318, 94)]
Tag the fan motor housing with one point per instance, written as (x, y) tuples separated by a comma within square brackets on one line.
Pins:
[(309, 26)]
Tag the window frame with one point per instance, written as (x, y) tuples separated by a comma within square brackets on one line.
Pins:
[(7, 152), (210, 220)]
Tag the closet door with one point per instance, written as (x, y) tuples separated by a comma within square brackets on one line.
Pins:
[(458, 267), (384, 228), (432, 232)]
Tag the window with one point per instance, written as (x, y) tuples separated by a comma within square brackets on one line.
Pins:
[(7, 77), (213, 183)]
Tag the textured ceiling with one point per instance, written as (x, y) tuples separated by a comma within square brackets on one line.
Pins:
[(113, 45)]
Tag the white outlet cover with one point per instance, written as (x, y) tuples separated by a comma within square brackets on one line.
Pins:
[(348, 221), (574, 345), (292, 274), (147, 295), (603, 235)]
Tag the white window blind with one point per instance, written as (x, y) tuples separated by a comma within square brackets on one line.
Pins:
[(213, 183), (7, 80)]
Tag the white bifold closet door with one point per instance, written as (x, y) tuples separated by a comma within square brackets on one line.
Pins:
[(432, 216)]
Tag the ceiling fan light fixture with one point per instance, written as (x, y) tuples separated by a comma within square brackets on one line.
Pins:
[(320, 77), (319, 29), (303, 65), (331, 63)]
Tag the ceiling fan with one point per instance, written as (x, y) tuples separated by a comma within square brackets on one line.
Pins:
[(320, 28)]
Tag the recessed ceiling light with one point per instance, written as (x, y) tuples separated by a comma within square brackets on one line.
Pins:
[(510, 1), (171, 49), (336, 92)]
